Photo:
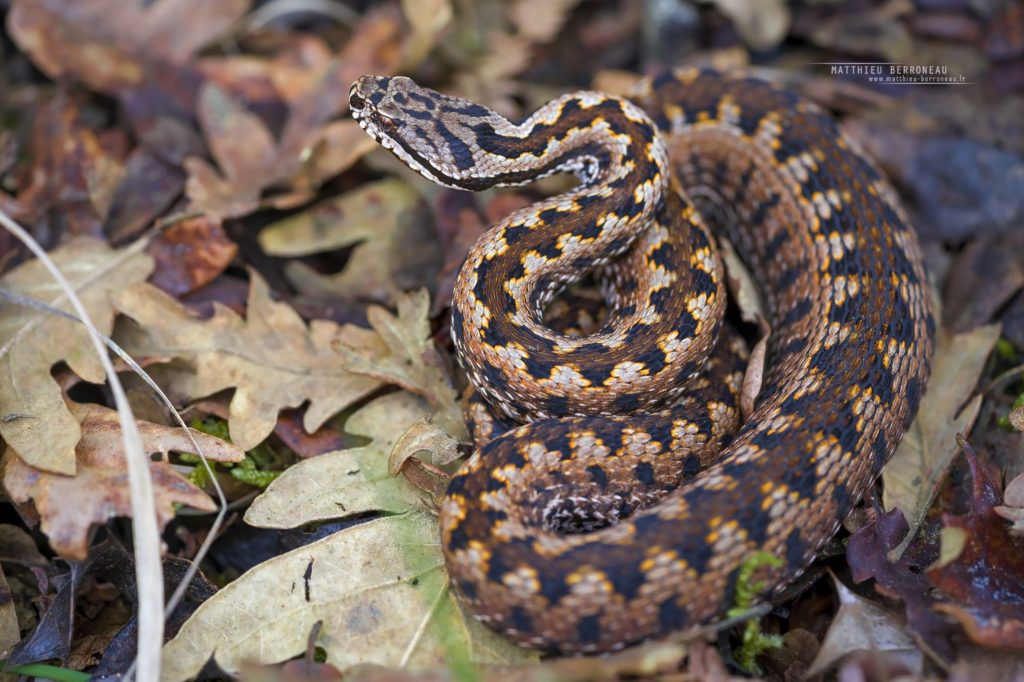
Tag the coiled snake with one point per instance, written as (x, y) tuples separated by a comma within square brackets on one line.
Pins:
[(610, 499)]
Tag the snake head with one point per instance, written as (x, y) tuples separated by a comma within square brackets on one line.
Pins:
[(430, 132)]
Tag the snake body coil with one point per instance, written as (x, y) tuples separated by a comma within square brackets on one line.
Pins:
[(611, 498)]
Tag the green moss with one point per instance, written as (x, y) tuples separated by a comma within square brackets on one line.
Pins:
[(755, 641)]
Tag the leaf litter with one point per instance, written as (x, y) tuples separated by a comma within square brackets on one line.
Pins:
[(224, 128)]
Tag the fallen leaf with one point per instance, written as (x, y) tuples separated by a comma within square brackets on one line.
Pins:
[(379, 589), (982, 279), (71, 170), (52, 637), (539, 21), (394, 248), (1012, 508), (147, 187), (408, 358), (913, 477), (325, 439), (427, 18), (10, 633), (762, 25), (190, 254), (347, 482), (272, 358), (17, 546), (33, 417), (864, 626), (113, 45), (868, 554), (986, 577), (69, 505), (423, 436), (243, 148)]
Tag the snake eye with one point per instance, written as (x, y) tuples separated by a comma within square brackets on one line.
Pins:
[(355, 102)]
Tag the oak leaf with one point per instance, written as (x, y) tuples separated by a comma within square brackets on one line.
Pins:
[(394, 249), (33, 417), (69, 505), (379, 589), (346, 482), (272, 358)]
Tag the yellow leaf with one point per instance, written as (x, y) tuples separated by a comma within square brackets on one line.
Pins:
[(346, 482), (69, 505), (394, 248), (407, 357), (427, 18), (33, 417), (379, 589), (911, 479), (271, 358)]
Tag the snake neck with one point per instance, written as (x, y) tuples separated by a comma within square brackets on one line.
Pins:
[(612, 147)]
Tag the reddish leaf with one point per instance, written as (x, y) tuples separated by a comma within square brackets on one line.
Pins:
[(987, 578), (190, 254), (902, 580)]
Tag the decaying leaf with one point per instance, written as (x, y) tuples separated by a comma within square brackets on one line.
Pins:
[(912, 477), (243, 148), (190, 254), (408, 358), (17, 546), (69, 505), (111, 44), (272, 358), (763, 25), (379, 589), (421, 436), (346, 482), (33, 418), (394, 249), (990, 609), (9, 631), (864, 626), (903, 579), (1012, 508)]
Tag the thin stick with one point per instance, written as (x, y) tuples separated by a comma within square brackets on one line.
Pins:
[(145, 530), (222, 508)]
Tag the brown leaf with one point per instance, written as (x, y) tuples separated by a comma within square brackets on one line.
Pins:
[(1012, 508), (986, 577), (111, 45), (10, 633), (408, 358), (272, 358), (69, 505), (864, 626), (983, 277), (17, 546), (394, 251), (33, 418), (147, 187), (190, 254), (903, 579), (912, 478), (243, 148)]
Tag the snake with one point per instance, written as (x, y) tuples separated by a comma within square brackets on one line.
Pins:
[(615, 490)]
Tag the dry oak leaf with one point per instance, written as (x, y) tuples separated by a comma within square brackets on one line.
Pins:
[(346, 482), (913, 476), (69, 505), (33, 417), (379, 588), (112, 45), (271, 358), (408, 358), (395, 248)]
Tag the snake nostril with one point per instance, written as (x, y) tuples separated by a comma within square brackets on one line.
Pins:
[(355, 102)]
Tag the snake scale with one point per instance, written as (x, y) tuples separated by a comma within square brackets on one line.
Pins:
[(613, 495)]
